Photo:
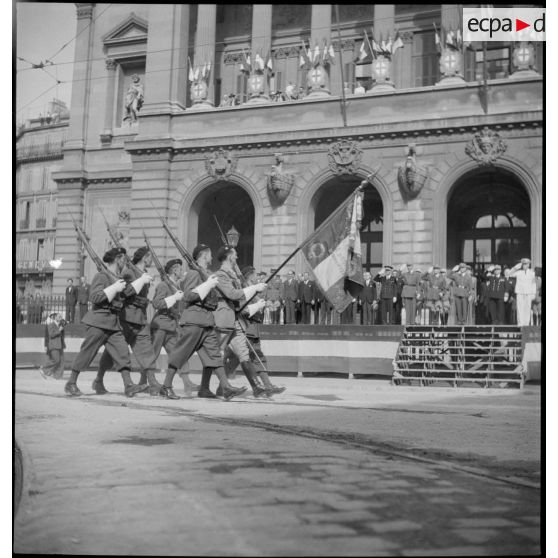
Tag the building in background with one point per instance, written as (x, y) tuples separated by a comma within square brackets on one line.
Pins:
[(235, 113), (38, 154)]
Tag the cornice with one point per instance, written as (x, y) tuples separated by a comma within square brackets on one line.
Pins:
[(321, 141)]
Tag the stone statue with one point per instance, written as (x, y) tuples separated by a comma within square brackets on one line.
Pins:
[(279, 182), (133, 100)]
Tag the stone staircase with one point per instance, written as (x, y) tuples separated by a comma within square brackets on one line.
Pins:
[(460, 356)]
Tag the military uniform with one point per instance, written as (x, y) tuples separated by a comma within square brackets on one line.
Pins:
[(460, 291), (410, 283), (435, 290), (496, 289), (388, 291), (135, 327), (103, 327)]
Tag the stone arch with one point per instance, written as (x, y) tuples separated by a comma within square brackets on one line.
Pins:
[(192, 187), (448, 173), (315, 177)]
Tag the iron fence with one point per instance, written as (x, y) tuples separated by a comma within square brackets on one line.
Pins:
[(35, 310)]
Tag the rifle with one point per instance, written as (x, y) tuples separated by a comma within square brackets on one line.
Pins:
[(225, 243), (117, 244), (100, 265), (160, 269)]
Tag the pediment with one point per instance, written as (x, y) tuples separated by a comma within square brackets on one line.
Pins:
[(133, 28)]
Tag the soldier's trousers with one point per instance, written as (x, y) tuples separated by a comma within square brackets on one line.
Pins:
[(255, 351), (496, 309), (161, 338), (461, 309), (95, 338), (237, 342), (195, 338), (410, 310), (524, 304), (139, 339), (387, 309)]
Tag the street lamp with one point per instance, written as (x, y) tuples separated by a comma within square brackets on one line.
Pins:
[(233, 236)]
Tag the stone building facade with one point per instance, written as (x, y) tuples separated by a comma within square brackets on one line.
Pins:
[(455, 167), (39, 144)]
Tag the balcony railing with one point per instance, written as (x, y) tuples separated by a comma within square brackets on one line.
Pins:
[(40, 223), (38, 151)]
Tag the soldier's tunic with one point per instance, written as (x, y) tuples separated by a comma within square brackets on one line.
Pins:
[(231, 297), (525, 291), (435, 290), (197, 326), (135, 326), (496, 288), (461, 288), (103, 327), (388, 291), (164, 325), (410, 282)]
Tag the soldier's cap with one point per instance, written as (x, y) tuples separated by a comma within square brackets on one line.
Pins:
[(497, 267), (171, 263), (198, 250), (468, 267), (53, 315), (223, 252), (248, 270), (388, 267), (139, 253), (443, 270), (525, 261), (436, 267), (462, 265), (112, 254)]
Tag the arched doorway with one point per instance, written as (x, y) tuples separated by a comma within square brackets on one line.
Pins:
[(488, 220), (229, 205), (332, 194)]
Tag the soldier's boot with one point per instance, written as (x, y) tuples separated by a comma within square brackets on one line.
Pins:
[(153, 385), (204, 390), (130, 389), (228, 390), (229, 362), (251, 375), (71, 385), (267, 383)]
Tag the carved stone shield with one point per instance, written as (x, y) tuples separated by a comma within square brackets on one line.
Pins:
[(344, 157), (220, 164), (486, 146)]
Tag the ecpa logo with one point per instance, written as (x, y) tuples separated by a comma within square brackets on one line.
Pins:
[(503, 24)]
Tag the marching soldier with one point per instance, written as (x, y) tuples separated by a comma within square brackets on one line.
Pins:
[(104, 327), (231, 296), (164, 326), (135, 327), (197, 328), (497, 294), (388, 294), (461, 289), (254, 317)]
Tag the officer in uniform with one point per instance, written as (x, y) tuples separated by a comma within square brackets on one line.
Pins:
[(388, 294), (164, 325), (461, 289), (435, 286), (254, 317), (104, 327), (232, 326), (410, 281), (497, 294), (135, 327), (197, 329), (367, 298), (525, 290)]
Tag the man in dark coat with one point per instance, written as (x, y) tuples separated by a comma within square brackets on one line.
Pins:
[(71, 301), (290, 298), (497, 293), (388, 294), (83, 297), (368, 299), (306, 296)]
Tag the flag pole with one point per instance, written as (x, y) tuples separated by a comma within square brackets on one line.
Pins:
[(312, 236), (484, 78), (343, 102)]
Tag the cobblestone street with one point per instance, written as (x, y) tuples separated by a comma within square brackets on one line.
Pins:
[(330, 467)]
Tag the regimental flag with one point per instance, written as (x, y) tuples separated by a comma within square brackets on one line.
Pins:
[(304, 56), (331, 52), (397, 43), (334, 253), (362, 54), (269, 63)]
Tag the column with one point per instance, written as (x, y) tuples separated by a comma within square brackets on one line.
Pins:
[(451, 57), (261, 44), (318, 77), (77, 130), (384, 29), (202, 89), (106, 136), (167, 53)]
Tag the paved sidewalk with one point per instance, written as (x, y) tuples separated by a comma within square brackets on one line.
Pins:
[(330, 467)]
